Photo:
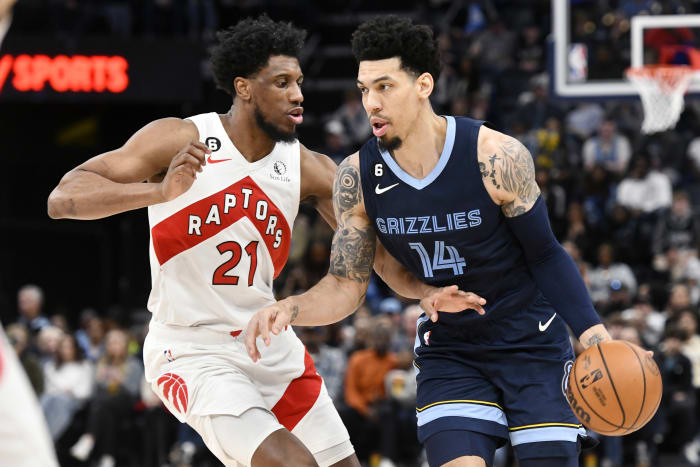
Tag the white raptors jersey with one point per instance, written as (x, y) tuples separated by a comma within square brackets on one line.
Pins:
[(216, 248)]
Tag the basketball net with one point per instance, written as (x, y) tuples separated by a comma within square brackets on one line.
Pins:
[(662, 89)]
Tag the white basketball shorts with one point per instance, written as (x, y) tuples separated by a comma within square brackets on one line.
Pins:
[(198, 373)]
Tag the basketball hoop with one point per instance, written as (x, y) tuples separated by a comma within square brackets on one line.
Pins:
[(662, 89)]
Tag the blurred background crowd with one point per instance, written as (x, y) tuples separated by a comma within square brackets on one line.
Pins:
[(624, 205)]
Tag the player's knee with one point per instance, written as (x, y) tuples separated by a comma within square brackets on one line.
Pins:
[(281, 449)]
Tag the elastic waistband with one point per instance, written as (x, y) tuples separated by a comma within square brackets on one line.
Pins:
[(192, 334)]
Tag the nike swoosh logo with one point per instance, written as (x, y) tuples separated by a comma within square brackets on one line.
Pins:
[(543, 327), (214, 161), (379, 191)]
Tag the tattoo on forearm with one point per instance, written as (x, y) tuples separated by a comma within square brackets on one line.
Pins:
[(594, 339), (346, 189), (352, 253), (295, 312), (517, 171)]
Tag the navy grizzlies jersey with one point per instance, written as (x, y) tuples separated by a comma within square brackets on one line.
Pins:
[(445, 228)]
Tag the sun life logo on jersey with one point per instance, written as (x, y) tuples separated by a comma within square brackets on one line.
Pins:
[(279, 169)]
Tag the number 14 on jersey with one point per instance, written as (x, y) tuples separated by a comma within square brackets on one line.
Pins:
[(444, 257)]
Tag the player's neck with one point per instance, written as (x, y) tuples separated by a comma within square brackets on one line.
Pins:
[(420, 151), (246, 135)]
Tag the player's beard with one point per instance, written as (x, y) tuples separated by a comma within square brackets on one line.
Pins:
[(391, 145), (272, 132)]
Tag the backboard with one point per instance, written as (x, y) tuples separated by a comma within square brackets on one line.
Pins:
[(592, 47)]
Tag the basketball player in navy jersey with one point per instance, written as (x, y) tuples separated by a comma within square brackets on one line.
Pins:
[(168, 161), (455, 202)]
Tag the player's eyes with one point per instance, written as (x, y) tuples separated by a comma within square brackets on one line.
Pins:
[(363, 90), (282, 84), (385, 87)]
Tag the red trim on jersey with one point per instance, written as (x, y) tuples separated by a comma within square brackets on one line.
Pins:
[(300, 396), (171, 237)]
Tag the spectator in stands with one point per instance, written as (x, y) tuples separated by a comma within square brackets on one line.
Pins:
[(584, 119), (47, 343), (555, 197), (609, 276), (677, 227), (117, 382), (330, 362), (335, 145), (19, 339), (93, 346), (644, 190), (608, 148), (354, 120), (30, 299), (678, 301), (678, 399), (405, 338), (68, 384), (364, 389)]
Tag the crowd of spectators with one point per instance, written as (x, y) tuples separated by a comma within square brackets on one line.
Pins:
[(624, 205)]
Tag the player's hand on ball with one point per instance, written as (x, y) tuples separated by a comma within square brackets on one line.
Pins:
[(451, 300), (183, 170), (271, 319)]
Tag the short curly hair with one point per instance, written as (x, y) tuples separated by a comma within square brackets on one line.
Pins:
[(393, 36), (245, 48)]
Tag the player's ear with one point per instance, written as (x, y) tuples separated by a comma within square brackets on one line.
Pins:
[(425, 85), (242, 87)]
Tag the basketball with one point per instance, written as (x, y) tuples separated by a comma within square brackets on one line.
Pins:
[(614, 388)]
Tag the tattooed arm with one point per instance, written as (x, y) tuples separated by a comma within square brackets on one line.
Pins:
[(508, 172), (342, 290)]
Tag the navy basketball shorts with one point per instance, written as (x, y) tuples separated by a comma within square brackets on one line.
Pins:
[(502, 377)]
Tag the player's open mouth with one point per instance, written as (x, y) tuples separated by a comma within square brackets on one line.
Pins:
[(379, 127), (296, 115)]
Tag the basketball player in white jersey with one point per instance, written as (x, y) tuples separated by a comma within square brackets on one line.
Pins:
[(24, 437), (222, 193)]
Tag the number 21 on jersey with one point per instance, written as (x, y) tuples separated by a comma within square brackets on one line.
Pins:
[(444, 257)]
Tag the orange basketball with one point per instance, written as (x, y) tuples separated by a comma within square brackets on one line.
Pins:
[(614, 388)]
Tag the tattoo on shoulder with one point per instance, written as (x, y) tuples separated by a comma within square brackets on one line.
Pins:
[(594, 340), (517, 171), (295, 313), (347, 191), (492, 173)]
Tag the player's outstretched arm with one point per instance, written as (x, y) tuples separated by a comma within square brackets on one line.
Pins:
[(343, 289), (318, 173), (124, 179), (508, 171)]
